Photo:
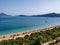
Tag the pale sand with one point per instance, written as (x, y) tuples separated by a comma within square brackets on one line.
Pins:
[(22, 34)]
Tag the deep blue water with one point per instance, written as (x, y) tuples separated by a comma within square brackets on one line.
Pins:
[(19, 24)]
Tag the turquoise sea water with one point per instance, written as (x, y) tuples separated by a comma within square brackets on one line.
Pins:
[(19, 24)]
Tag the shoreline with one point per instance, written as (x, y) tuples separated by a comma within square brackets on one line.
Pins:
[(22, 34)]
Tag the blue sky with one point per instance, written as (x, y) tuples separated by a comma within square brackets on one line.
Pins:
[(29, 7)]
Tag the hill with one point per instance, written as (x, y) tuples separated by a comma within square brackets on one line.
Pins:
[(48, 15), (4, 15)]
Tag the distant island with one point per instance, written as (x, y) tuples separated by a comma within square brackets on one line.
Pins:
[(44, 15)]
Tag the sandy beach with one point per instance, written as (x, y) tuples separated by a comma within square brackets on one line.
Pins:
[(22, 34)]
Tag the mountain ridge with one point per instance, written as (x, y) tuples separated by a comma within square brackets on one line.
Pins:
[(48, 15), (43, 15)]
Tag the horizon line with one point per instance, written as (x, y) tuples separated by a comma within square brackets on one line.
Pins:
[(29, 14)]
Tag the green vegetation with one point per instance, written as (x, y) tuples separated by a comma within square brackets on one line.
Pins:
[(34, 38)]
